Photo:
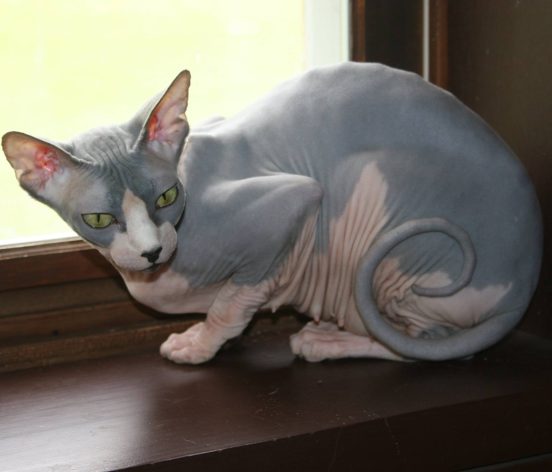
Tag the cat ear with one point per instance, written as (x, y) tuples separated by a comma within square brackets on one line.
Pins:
[(166, 126), (40, 167)]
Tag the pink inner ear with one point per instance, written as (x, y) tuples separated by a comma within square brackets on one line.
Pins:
[(153, 128), (47, 162)]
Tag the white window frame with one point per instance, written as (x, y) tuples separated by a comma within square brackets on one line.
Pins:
[(327, 32)]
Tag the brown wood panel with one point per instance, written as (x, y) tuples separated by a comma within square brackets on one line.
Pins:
[(48, 264), (49, 298), (49, 325), (62, 349)]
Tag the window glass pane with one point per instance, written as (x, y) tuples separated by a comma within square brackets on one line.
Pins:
[(69, 65)]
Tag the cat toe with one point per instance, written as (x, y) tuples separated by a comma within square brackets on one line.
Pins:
[(189, 355)]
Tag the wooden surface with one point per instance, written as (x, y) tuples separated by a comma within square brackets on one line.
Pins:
[(257, 408)]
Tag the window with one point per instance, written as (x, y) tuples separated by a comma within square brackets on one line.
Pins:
[(72, 65)]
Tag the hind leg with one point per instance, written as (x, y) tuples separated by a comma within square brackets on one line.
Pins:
[(319, 341)]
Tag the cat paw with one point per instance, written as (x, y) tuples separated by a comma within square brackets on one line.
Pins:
[(193, 346), (320, 341), (312, 342)]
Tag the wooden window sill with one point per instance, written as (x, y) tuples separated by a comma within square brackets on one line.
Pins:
[(255, 407)]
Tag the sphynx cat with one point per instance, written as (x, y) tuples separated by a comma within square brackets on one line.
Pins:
[(361, 195)]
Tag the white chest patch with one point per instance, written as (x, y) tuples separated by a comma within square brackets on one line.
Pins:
[(169, 292)]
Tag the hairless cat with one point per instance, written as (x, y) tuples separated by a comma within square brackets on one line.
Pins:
[(363, 196)]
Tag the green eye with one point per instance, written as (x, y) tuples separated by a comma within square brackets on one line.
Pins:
[(98, 220), (167, 198)]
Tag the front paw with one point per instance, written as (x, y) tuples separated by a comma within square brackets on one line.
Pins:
[(193, 346)]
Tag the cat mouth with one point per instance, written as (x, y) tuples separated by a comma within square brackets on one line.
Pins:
[(152, 268)]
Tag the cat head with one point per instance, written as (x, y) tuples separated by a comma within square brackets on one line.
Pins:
[(116, 186)]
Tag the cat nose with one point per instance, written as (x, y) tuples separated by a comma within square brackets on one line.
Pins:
[(153, 255)]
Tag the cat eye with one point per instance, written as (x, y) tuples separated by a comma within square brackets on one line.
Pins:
[(167, 198), (98, 220)]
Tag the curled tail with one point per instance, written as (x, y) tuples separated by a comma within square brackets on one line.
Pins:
[(460, 344)]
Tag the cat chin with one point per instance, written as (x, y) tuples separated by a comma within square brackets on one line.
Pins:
[(152, 268), (145, 270)]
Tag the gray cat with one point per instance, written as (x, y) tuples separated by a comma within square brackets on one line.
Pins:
[(361, 195)]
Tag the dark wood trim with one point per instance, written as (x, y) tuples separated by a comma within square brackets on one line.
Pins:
[(51, 263), (438, 42), (358, 34), (389, 32)]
